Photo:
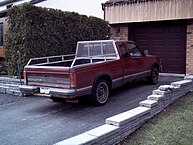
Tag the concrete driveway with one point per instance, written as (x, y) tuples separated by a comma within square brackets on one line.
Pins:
[(39, 120)]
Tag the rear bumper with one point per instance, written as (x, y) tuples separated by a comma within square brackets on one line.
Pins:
[(63, 93), (29, 89), (52, 92)]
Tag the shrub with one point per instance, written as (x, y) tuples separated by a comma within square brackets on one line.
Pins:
[(35, 32)]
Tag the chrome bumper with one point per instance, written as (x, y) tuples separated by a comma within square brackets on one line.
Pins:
[(29, 89), (52, 92)]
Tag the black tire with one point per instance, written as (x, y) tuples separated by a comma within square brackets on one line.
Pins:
[(55, 99), (153, 78), (100, 93), (26, 95)]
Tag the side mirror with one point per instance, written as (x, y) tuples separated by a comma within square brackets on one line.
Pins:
[(146, 52)]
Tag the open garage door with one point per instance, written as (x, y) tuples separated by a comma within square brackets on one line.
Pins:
[(166, 39)]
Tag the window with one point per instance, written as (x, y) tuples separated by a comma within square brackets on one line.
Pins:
[(82, 50), (1, 34), (134, 51), (98, 49), (123, 48), (95, 49), (108, 48), (89, 49)]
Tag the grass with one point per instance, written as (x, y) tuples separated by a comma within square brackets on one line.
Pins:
[(173, 126)]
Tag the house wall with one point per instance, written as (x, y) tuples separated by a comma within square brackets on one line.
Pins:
[(189, 48), (148, 10), (5, 27), (121, 14)]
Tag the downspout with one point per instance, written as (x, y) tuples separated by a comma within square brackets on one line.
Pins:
[(103, 8)]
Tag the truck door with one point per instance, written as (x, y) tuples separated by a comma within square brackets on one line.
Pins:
[(126, 62), (132, 59), (137, 61)]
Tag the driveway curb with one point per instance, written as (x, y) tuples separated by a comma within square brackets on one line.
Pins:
[(10, 86), (120, 126)]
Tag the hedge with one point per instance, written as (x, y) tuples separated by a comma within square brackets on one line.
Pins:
[(36, 32)]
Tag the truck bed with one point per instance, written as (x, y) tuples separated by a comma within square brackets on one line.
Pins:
[(54, 71)]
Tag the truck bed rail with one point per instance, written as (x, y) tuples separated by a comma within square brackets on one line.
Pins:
[(73, 58), (94, 59), (50, 59)]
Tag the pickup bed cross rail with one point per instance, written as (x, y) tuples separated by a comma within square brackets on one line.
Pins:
[(49, 59)]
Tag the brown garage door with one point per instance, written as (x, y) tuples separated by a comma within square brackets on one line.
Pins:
[(165, 39)]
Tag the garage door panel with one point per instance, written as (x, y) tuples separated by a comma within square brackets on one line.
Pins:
[(158, 29), (175, 61), (166, 39), (174, 54), (175, 41), (158, 42), (176, 28), (156, 51), (142, 44), (175, 49), (141, 30)]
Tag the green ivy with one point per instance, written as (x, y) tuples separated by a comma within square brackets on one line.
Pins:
[(36, 32)]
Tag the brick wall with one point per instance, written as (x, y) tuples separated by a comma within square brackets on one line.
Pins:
[(119, 32), (189, 48)]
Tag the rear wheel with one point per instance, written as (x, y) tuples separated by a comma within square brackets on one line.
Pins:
[(153, 79), (100, 93)]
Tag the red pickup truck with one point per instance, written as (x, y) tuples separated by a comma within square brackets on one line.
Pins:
[(95, 69)]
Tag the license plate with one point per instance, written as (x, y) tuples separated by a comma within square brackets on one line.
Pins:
[(44, 90)]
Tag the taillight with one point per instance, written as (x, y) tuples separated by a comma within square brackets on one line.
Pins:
[(24, 77), (73, 80)]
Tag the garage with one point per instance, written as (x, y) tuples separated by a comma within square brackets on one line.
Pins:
[(166, 39), (164, 27)]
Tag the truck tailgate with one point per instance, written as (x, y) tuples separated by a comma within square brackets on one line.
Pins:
[(57, 77)]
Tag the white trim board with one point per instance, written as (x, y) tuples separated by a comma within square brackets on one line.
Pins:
[(172, 74)]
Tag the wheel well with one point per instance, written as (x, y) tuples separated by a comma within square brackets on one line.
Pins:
[(107, 78), (157, 66)]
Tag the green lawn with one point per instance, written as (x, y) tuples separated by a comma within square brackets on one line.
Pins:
[(173, 126)]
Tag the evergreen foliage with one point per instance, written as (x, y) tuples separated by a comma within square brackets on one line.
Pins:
[(36, 32)]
